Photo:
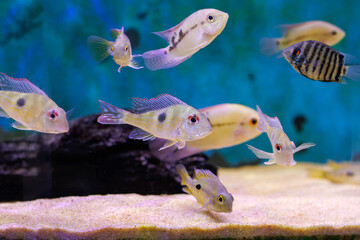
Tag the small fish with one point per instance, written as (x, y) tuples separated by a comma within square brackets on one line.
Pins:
[(293, 33), (30, 107), (195, 32), (120, 49), (318, 61), (209, 192), (283, 148), (164, 117), (346, 172), (232, 124)]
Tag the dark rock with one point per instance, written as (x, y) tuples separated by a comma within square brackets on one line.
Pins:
[(90, 159)]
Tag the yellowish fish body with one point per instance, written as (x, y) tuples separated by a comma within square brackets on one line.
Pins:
[(31, 108), (162, 117), (207, 189), (195, 32), (232, 124), (293, 33), (283, 148), (346, 172), (120, 49)]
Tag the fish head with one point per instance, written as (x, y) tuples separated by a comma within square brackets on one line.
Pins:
[(349, 174), (221, 202), (121, 49), (295, 55), (247, 123), (195, 125), (284, 153), (213, 21), (54, 120), (335, 35)]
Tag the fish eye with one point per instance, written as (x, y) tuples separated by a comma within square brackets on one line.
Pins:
[(210, 18), (278, 146), (221, 199), (126, 47), (253, 121), (296, 52), (193, 119), (333, 32), (52, 114), (112, 49)]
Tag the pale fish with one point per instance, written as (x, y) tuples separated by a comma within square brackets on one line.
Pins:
[(293, 33), (283, 148), (318, 61), (195, 32), (232, 124), (345, 172), (164, 117), (207, 189), (120, 50), (30, 107)]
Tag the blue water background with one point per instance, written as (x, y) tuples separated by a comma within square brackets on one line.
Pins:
[(45, 41)]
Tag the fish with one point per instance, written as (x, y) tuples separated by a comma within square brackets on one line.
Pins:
[(345, 172), (207, 189), (195, 32), (120, 49), (232, 124), (318, 61), (30, 107), (293, 33), (283, 148), (162, 117)]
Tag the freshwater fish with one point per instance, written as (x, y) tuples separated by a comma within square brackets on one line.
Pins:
[(318, 61), (345, 172), (195, 32), (30, 107), (164, 117), (120, 49), (232, 124), (207, 189), (293, 33), (283, 148)]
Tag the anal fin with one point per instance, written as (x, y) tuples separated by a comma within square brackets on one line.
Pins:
[(179, 144), (4, 114), (19, 126), (140, 134)]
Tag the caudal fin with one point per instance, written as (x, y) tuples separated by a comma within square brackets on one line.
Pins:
[(269, 46), (98, 48), (183, 174), (111, 114), (353, 72), (161, 59)]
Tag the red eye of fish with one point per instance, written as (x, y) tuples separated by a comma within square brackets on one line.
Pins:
[(297, 52), (278, 146), (52, 114), (193, 119)]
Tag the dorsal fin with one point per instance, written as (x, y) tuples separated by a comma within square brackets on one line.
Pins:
[(18, 85), (160, 102), (199, 173), (116, 32), (286, 29), (167, 34)]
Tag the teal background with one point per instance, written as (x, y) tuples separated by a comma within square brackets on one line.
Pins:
[(45, 42)]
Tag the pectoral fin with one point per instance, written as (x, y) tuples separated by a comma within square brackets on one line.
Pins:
[(304, 146), (19, 126), (140, 134), (263, 155)]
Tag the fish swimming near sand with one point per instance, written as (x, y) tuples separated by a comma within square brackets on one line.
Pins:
[(195, 32), (293, 33), (30, 107), (283, 148), (207, 189), (344, 172), (162, 117), (120, 49), (232, 124), (318, 61)]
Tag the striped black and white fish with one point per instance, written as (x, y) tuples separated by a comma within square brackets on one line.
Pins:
[(318, 61)]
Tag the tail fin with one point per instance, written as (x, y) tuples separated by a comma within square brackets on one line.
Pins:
[(316, 173), (98, 48), (353, 72), (160, 59), (269, 46), (183, 174), (111, 114)]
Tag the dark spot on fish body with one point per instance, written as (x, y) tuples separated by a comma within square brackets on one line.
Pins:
[(134, 37), (181, 33), (162, 117), (223, 124), (349, 174), (20, 102), (198, 186), (165, 52), (299, 121), (202, 22), (193, 27)]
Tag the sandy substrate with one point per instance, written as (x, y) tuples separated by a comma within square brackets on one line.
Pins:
[(269, 201)]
